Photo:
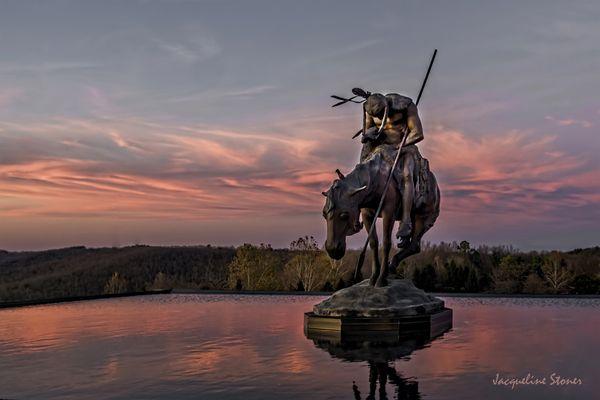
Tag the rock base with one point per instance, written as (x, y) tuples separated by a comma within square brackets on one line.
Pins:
[(399, 299), (393, 312)]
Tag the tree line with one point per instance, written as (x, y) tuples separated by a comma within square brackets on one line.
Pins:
[(457, 267), (303, 266), (445, 267)]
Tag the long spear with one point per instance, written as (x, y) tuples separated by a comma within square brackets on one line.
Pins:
[(361, 258)]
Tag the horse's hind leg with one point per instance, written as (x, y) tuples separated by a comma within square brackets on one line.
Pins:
[(368, 217), (414, 246)]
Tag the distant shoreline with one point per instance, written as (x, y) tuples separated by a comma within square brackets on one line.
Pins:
[(27, 303), (282, 293)]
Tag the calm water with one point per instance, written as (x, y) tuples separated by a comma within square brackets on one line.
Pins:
[(253, 347)]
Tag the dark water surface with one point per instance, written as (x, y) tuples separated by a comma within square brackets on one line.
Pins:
[(253, 347)]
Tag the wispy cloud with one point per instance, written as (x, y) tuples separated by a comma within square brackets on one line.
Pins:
[(152, 170), (349, 49), (516, 176), (569, 122), (354, 47), (243, 93), (195, 49), (47, 67), (184, 172), (251, 91)]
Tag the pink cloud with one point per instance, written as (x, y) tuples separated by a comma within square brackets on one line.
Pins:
[(172, 172), (569, 122), (139, 170), (515, 174)]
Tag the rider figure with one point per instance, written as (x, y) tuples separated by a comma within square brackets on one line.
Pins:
[(386, 120)]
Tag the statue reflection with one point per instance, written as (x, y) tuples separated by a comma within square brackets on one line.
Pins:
[(379, 354), (381, 373)]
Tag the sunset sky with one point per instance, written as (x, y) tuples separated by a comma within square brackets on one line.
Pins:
[(193, 122)]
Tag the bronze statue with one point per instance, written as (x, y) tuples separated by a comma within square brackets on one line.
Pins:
[(391, 128), (386, 119), (359, 193)]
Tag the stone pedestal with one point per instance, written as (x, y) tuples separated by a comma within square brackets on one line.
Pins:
[(399, 299), (397, 310)]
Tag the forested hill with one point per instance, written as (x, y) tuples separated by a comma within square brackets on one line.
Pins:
[(443, 267), (80, 271)]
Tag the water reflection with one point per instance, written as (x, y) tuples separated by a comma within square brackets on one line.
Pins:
[(254, 347), (379, 354), (381, 373)]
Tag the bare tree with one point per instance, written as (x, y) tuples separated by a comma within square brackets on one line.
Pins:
[(309, 267), (555, 272), (116, 284), (161, 281), (335, 267)]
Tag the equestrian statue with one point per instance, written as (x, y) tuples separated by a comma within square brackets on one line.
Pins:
[(392, 181)]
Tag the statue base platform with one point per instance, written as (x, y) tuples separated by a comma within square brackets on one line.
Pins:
[(428, 326), (395, 311)]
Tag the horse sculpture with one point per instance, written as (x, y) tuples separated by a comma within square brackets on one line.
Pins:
[(358, 194)]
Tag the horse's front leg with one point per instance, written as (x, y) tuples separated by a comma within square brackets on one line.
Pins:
[(388, 226), (368, 217)]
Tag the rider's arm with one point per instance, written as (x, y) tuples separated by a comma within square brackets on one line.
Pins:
[(369, 123), (415, 129), (370, 130)]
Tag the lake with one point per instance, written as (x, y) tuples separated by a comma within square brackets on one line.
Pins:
[(192, 346)]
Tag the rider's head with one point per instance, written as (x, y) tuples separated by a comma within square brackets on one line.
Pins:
[(375, 105)]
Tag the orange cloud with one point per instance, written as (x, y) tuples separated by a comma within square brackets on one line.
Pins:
[(79, 168), (178, 172), (516, 174)]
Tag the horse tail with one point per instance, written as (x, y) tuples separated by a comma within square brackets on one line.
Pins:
[(432, 204)]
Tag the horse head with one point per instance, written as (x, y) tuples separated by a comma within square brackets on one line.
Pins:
[(342, 213)]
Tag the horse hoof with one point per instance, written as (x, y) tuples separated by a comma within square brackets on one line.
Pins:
[(381, 283), (373, 281), (404, 230)]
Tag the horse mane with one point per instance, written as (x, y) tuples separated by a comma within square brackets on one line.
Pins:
[(361, 174), (385, 152)]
